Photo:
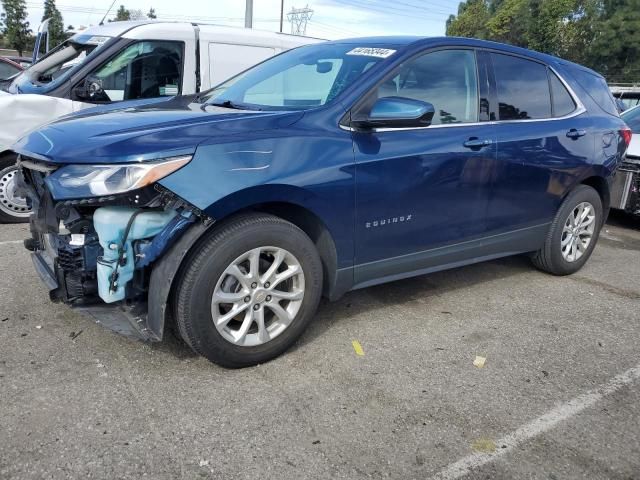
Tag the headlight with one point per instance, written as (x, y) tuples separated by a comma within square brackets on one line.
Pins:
[(81, 181)]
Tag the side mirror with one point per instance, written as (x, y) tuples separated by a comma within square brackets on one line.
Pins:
[(397, 112), (91, 89)]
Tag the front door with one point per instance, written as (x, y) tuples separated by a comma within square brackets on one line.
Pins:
[(422, 193)]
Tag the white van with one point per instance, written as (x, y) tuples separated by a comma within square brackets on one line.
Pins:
[(123, 61)]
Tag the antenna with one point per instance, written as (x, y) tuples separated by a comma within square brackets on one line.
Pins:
[(298, 17), (105, 15)]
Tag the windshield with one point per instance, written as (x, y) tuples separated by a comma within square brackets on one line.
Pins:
[(57, 64), (299, 79), (632, 118)]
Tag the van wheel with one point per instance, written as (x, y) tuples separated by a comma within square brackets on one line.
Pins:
[(248, 291), (13, 209), (573, 233)]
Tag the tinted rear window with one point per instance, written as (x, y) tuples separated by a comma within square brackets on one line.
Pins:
[(597, 89), (523, 88), (563, 103)]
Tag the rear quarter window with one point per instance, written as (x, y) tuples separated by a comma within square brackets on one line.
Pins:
[(597, 89), (561, 100)]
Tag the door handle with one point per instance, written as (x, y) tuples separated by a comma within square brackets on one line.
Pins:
[(475, 142), (575, 133)]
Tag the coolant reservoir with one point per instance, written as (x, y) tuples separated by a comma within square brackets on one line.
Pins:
[(110, 224)]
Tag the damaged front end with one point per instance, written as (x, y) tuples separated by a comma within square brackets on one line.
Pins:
[(96, 253)]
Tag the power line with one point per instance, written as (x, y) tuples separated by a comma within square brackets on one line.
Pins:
[(324, 26), (363, 6), (410, 8)]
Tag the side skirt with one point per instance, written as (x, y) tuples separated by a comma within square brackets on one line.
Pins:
[(515, 242)]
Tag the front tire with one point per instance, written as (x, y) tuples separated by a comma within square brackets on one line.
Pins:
[(13, 209), (248, 291), (573, 233)]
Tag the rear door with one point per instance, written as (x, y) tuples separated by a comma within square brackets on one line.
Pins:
[(544, 140)]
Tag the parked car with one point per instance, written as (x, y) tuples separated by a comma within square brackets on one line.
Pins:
[(627, 94), (8, 68), (625, 193), (328, 168), (123, 61)]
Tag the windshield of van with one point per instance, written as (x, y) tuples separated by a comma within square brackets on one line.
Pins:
[(299, 79), (56, 64), (61, 60)]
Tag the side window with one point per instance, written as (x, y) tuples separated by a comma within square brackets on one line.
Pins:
[(597, 89), (563, 103), (145, 69), (447, 79), (522, 87)]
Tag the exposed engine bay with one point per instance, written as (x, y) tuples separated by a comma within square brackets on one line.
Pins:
[(98, 252)]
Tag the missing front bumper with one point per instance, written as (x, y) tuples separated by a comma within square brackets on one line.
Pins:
[(130, 321)]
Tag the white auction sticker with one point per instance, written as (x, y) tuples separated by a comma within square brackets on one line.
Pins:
[(372, 52)]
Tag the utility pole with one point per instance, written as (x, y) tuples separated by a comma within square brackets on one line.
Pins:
[(281, 14), (299, 18), (248, 15)]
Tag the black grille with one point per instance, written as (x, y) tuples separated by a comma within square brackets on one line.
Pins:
[(70, 259)]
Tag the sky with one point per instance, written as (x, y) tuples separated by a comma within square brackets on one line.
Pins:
[(331, 19)]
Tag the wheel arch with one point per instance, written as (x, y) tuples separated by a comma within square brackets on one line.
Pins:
[(166, 271), (7, 155), (600, 185)]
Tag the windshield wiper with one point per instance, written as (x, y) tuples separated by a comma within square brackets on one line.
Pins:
[(227, 104)]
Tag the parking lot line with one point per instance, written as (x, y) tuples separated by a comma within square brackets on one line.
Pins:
[(539, 426)]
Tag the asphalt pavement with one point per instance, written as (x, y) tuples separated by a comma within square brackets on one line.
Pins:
[(558, 395)]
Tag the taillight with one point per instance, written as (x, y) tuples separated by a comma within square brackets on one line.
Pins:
[(626, 136)]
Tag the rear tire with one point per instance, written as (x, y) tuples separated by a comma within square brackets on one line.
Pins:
[(260, 266), (12, 209), (573, 233)]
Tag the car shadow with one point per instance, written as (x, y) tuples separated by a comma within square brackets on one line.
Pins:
[(420, 288), (370, 299), (618, 218)]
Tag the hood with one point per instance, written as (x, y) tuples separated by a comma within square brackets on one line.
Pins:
[(143, 132)]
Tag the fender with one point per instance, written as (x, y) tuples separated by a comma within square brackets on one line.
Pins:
[(166, 269), (164, 273)]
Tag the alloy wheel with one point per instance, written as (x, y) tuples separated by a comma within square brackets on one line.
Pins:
[(258, 296), (578, 231)]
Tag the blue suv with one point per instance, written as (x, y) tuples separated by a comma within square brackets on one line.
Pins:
[(331, 167)]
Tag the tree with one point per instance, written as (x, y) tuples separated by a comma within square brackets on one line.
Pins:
[(601, 34), (137, 14), (70, 27), (16, 29), (152, 13), (615, 47), (509, 21), (56, 24), (471, 20), (122, 14)]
